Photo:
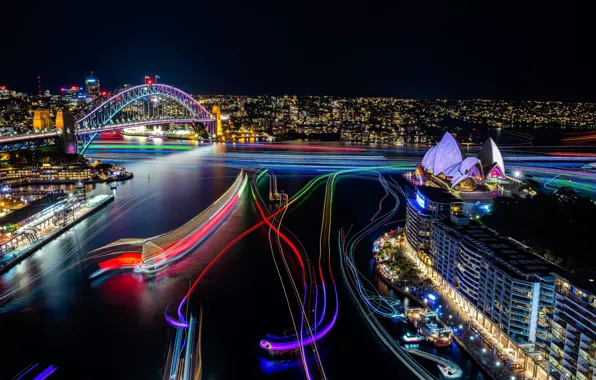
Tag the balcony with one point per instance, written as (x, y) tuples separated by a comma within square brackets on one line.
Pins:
[(557, 343), (568, 369), (582, 374), (556, 354), (587, 353)]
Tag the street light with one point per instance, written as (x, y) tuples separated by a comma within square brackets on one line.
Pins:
[(517, 174)]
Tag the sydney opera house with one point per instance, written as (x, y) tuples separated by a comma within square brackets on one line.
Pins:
[(446, 165)]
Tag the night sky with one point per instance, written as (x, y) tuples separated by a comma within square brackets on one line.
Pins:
[(414, 49)]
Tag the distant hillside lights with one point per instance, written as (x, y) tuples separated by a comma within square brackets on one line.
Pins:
[(447, 165)]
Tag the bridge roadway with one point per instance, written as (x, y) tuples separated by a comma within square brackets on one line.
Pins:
[(109, 127), (100, 116)]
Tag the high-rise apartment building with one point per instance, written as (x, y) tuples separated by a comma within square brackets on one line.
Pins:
[(573, 344), (430, 203), (92, 87), (498, 276), (501, 286)]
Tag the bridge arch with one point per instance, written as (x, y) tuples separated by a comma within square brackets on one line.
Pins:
[(98, 118)]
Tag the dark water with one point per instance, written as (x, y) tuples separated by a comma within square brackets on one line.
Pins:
[(114, 327)]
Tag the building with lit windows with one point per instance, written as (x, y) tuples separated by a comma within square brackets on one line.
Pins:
[(47, 173), (92, 87), (73, 96), (512, 288), (573, 344), (430, 203), (504, 288)]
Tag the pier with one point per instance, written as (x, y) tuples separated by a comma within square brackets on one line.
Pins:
[(37, 230)]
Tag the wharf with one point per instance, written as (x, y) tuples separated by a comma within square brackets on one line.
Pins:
[(12, 258), (478, 351)]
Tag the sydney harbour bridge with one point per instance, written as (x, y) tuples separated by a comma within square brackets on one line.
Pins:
[(142, 105)]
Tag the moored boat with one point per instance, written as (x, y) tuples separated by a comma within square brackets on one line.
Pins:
[(412, 338)]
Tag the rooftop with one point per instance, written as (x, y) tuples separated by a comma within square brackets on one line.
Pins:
[(509, 254), (584, 279), (438, 195)]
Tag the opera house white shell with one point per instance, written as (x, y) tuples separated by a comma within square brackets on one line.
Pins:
[(448, 160)]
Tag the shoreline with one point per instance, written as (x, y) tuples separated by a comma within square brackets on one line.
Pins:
[(72, 182), (34, 248), (458, 341)]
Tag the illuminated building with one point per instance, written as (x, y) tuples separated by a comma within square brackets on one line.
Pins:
[(42, 120), (73, 96), (544, 317), (446, 165), (430, 203), (573, 344), (92, 87), (495, 278), (491, 159), (216, 111), (47, 173)]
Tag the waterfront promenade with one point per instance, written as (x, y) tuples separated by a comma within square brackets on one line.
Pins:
[(49, 231), (487, 355)]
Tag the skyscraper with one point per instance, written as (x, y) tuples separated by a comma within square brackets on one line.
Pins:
[(92, 87)]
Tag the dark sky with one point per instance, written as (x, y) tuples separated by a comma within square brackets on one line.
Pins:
[(413, 49)]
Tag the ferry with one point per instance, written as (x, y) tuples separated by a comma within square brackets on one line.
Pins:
[(443, 339), (449, 372), (427, 326), (413, 338)]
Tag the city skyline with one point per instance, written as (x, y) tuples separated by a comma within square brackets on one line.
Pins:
[(458, 52), (253, 191)]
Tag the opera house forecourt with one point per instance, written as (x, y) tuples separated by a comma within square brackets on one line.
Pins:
[(446, 166)]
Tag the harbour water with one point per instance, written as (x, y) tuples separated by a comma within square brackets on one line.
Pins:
[(114, 327)]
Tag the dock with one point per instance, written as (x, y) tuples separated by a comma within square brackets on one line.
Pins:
[(47, 225)]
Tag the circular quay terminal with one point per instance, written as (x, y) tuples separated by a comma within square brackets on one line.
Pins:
[(389, 190)]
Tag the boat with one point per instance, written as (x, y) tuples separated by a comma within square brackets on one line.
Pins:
[(591, 166), (443, 342), (428, 327), (449, 372), (443, 337), (412, 338)]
